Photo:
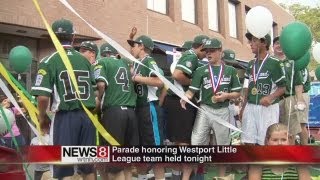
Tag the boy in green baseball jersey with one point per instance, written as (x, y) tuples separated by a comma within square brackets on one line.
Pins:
[(264, 83), (180, 128), (118, 100), (89, 50), (71, 125), (293, 94), (218, 84), (106, 50), (147, 109)]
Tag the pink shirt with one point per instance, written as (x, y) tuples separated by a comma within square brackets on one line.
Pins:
[(14, 127)]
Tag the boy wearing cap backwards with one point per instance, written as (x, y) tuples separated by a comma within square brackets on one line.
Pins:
[(264, 83), (218, 84), (147, 109), (228, 56), (292, 96), (71, 125), (118, 100), (89, 50)]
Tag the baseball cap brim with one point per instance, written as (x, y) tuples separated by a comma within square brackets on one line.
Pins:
[(181, 49), (249, 36), (131, 42), (229, 61), (203, 49)]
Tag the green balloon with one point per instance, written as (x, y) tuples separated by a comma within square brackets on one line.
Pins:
[(302, 62), (317, 72), (20, 59), (295, 40)]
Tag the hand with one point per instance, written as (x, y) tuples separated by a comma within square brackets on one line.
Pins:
[(266, 101), (44, 122), (132, 71), (97, 109), (133, 33), (220, 96), (183, 104), (134, 77)]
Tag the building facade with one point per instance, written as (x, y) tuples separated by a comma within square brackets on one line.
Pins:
[(167, 22)]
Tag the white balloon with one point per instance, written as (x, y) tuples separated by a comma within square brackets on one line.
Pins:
[(10, 116), (259, 21), (316, 52)]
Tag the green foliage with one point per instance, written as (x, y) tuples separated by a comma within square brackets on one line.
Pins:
[(309, 16)]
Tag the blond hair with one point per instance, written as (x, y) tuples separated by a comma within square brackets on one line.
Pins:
[(276, 128)]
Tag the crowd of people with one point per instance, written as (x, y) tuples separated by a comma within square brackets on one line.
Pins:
[(136, 107)]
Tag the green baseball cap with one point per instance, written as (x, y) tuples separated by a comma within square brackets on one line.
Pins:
[(212, 44), (62, 26), (185, 46), (90, 46), (145, 40), (107, 48), (266, 38), (228, 55), (200, 39)]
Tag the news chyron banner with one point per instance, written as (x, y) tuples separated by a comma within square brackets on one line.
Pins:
[(163, 154)]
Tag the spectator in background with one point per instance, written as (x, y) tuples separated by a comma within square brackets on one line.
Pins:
[(7, 139), (40, 169), (277, 134)]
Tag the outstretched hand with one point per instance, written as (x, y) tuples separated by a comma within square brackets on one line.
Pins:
[(133, 32)]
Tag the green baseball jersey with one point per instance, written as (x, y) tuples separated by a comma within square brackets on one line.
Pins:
[(296, 78), (188, 63), (306, 80), (53, 78), (202, 81), (271, 76), (119, 86), (145, 92)]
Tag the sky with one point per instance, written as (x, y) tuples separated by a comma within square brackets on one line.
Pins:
[(312, 3)]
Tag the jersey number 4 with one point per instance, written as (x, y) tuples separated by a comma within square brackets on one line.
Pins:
[(122, 78), (83, 80)]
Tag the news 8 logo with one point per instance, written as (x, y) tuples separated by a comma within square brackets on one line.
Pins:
[(85, 154)]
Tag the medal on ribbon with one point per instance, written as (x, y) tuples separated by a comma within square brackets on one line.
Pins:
[(255, 76), (215, 82)]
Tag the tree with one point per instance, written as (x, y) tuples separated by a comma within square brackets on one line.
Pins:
[(309, 16)]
